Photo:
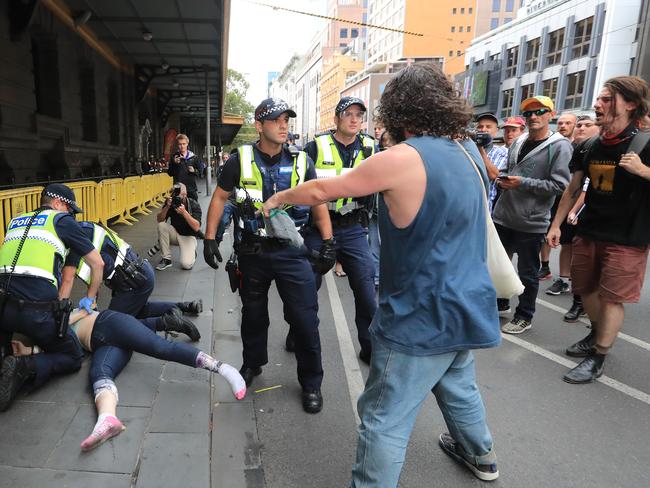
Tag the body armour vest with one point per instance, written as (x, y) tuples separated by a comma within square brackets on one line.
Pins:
[(330, 164), (257, 182), (41, 247), (100, 234)]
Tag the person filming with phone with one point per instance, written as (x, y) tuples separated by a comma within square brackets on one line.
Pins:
[(184, 166), (184, 214)]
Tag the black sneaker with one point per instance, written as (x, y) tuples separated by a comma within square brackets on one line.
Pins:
[(575, 312), (585, 347), (16, 371), (174, 321), (191, 308), (485, 472), (588, 370), (164, 264), (558, 287), (544, 273)]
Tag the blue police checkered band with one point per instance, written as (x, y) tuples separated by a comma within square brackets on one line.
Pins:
[(63, 199), (278, 106), (347, 103)]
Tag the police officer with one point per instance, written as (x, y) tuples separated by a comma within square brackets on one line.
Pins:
[(131, 281), (335, 152), (31, 258), (256, 172)]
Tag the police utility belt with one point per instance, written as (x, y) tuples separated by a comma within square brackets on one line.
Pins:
[(128, 275), (349, 214), (252, 244), (51, 306)]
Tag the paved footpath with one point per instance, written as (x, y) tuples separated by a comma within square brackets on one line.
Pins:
[(185, 429)]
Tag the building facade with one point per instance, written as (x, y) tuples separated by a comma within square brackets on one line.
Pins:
[(563, 49), (491, 14), (336, 70)]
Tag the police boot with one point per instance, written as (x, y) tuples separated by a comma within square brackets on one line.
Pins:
[(16, 371), (174, 321), (192, 308)]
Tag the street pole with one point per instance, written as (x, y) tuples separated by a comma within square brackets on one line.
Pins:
[(208, 173)]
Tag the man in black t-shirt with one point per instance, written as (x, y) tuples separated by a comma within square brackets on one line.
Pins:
[(610, 251), (184, 166), (184, 214)]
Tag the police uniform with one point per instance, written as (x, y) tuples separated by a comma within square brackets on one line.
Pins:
[(29, 281), (347, 215)]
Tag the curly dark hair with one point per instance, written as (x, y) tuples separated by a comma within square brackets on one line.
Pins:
[(421, 100)]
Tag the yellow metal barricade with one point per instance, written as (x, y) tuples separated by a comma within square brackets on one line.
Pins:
[(131, 185), (16, 202), (113, 201), (87, 196)]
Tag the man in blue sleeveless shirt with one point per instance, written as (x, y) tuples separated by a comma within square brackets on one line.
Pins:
[(436, 299)]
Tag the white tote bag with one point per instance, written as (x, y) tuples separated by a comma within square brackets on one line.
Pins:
[(504, 277)]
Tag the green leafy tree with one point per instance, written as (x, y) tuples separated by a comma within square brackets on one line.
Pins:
[(235, 103)]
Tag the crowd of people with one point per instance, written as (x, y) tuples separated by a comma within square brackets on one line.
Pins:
[(403, 214)]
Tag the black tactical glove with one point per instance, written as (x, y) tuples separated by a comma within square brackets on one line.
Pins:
[(326, 258), (210, 252)]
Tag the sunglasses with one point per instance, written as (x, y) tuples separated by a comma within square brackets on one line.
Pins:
[(538, 112)]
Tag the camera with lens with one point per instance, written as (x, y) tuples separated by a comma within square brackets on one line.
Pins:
[(177, 200), (481, 139)]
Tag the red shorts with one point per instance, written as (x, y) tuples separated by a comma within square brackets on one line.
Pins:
[(615, 271)]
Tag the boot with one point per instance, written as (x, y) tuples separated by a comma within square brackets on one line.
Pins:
[(587, 371), (584, 347), (175, 322), (191, 308), (575, 312), (16, 371)]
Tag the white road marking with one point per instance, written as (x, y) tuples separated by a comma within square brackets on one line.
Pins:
[(612, 383), (348, 354), (621, 335)]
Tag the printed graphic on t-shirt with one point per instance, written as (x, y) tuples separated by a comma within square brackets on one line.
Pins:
[(602, 175)]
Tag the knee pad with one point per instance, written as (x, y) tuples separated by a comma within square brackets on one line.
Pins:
[(105, 384)]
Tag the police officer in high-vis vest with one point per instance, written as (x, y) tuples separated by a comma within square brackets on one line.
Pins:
[(35, 247), (334, 153), (255, 172), (131, 280)]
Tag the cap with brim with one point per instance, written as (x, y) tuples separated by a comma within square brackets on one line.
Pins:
[(536, 101), (487, 115), (514, 122), (272, 108), (63, 193), (345, 102)]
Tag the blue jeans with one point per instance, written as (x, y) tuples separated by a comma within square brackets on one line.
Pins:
[(125, 332), (374, 244), (397, 386), (135, 301), (354, 255), (527, 247), (226, 217)]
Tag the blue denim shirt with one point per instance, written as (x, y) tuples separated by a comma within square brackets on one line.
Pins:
[(435, 293)]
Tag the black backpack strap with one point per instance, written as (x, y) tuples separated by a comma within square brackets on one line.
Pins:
[(639, 142), (586, 149)]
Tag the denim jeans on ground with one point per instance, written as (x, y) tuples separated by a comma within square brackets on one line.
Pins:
[(374, 244), (527, 247), (123, 331), (397, 386)]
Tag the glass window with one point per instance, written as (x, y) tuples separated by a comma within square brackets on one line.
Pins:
[(549, 88), (527, 91), (453, 28), (451, 53), (575, 89), (88, 102), (496, 5), (462, 10), (460, 29), (507, 19), (508, 102), (494, 23), (532, 55), (582, 38), (458, 53), (354, 33), (470, 10), (45, 59), (555, 41), (510, 5), (512, 57), (469, 28), (453, 11), (343, 33)]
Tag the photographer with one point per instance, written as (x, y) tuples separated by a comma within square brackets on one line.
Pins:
[(494, 157), (184, 166), (184, 214)]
